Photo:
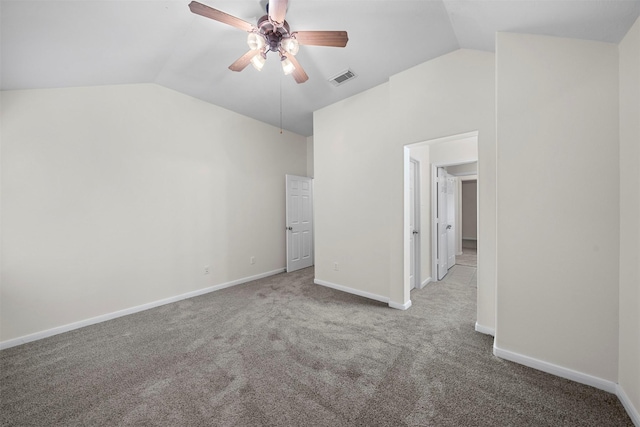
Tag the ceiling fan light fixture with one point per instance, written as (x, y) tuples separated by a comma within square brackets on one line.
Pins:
[(291, 45), (272, 33), (258, 61), (255, 41), (287, 65)]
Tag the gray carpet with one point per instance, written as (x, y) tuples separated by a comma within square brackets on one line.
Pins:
[(284, 352), (469, 257)]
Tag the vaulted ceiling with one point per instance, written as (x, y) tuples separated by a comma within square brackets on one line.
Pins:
[(67, 43)]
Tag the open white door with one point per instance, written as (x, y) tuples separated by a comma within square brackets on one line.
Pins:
[(452, 190), (299, 222), (442, 223)]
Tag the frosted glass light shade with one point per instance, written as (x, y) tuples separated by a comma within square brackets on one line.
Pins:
[(255, 41), (258, 61), (291, 45), (287, 66)]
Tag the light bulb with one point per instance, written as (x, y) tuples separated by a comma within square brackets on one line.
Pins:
[(291, 45), (287, 66), (258, 61), (255, 41)]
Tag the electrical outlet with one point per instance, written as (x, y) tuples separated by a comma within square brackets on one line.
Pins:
[(207, 269), (252, 260), (335, 266)]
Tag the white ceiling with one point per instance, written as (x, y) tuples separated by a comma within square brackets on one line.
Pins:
[(65, 43)]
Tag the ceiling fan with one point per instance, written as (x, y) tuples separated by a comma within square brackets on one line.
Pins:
[(272, 33)]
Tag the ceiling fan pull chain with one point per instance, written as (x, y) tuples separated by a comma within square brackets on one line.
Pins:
[(281, 105)]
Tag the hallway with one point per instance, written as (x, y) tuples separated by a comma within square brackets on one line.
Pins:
[(462, 275)]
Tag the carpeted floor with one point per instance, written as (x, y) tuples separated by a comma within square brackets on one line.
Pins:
[(284, 352), (469, 257)]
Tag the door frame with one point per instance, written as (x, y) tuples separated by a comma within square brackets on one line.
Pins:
[(435, 215), (452, 201), (406, 205), (416, 221)]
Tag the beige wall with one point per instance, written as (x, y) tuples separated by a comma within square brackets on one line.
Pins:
[(629, 359), (454, 151), (351, 192), (466, 169), (359, 166), (117, 196), (469, 210), (558, 246), (310, 156), (452, 95)]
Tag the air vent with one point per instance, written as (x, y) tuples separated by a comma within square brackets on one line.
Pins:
[(343, 77)]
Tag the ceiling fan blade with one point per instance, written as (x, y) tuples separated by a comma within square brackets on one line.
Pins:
[(298, 74), (242, 62), (277, 10), (322, 38), (217, 15)]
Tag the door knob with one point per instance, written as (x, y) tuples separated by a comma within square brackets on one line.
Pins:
[(448, 226), (415, 231), (288, 228)]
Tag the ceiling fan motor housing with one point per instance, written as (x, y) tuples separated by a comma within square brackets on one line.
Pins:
[(273, 35)]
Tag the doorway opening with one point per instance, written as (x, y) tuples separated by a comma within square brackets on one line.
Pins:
[(457, 156), (452, 214), (469, 221)]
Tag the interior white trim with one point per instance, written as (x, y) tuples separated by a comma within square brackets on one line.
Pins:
[(434, 221), (425, 282), (406, 213), (351, 290), (103, 318), (485, 330), (416, 212), (628, 406), (556, 370), (453, 138), (399, 306)]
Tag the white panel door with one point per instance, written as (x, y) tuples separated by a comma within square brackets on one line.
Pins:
[(442, 221), (452, 187), (299, 222)]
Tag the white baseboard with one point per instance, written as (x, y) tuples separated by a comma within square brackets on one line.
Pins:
[(634, 413), (351, 290), (103, 318), (485, 330), (364, 294), (425, 282), (399, 306), (556, 370), (570, 374)]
